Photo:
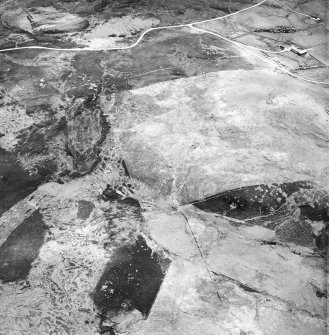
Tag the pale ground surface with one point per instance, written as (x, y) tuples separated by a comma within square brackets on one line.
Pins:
[(228, 130), (181, 140), (99, 33)]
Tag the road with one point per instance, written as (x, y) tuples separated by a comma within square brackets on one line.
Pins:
[(192, 26)]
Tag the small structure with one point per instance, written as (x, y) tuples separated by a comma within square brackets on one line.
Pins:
[(298, 50), (311, 17)]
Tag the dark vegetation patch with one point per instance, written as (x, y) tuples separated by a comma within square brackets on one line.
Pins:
[(86, 129), (86, 79), (124, 167), (44, 110), (322, 241), (36, 139), (169, 12), (35, 82), (251, 201), (131, 280), (269, 242), (84, 209), (159, 60), (86, 126), (295, 230), (277, 30), (287, 208), (46, 40), (33, 142), (110, 194), (129, 201), (179, 11), (319, 293), (21, 248), (83, 132), (113, 84), (15, 182), (35, 97), (116, 193), (123, 214), (34, 145), (314, 205), (12, 73), (88, 64), (248, 288), (223, 278), (68, 145), (225, 6)]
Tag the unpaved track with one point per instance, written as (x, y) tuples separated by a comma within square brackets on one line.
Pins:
[(191, 25)]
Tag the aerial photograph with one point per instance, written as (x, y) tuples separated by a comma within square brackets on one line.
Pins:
[(164, 167)]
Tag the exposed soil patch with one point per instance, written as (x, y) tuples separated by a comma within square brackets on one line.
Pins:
[(131, 280), (84, 209), (21, 248)]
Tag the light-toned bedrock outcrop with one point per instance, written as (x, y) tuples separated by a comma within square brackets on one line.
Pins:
[(43, 20), (242, 157), (247, 257), (225, 277), (229, 278), (179, 188), (227, 130), (54, 246)]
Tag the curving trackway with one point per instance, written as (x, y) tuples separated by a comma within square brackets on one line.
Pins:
[(192, 26)]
